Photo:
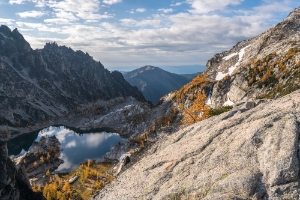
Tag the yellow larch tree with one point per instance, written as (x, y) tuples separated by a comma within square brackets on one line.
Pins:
[(66, 187), (198, 111)]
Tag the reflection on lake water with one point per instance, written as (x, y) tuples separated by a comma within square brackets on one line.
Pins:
[(77, 148)]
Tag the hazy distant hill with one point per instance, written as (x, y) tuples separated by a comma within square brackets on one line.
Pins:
[(155, 82)]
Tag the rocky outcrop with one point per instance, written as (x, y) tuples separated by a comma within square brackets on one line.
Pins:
[(14, 183), (241, 154), (38, 85), (266, 66)]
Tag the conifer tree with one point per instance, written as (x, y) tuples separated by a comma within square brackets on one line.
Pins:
[(89, 162), (45, 190), (35, 164), (39, 188), (198, 111), (66, 187), (48, 196), (42, 159)]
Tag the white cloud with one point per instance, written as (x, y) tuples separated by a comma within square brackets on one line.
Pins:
[(71, 144), (38, 26), (33, 14), (16, 1), (140, 10), (166, 10), (72, 10), (94, 140), (206, 6), (57, 21), (6, 21), (145, 22), (111, 2), (178, 3), (185, 38)]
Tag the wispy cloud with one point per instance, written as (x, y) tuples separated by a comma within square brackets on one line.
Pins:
[(16, 1), (111, 2), (140, 10), (178, 3), (206, 6), (7, 22), (141, 23), (32, 13), (166, 10)]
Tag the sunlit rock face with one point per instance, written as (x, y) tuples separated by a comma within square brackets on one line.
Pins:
[(240, 154), (37, 85), (239, 74)]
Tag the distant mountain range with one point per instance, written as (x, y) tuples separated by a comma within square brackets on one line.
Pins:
[(182, 69), (154, 82), (37, 85)]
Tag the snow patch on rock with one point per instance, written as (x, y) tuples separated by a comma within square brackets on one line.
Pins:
[(231, 69), (230, 56), (208, 100), (228, 102)]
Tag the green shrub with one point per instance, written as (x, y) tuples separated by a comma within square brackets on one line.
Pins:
[(219, 111)]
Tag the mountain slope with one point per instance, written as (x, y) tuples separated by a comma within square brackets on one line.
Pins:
[(155, 82), (240, 154), (37, 85), (237, 155), (266, 66)]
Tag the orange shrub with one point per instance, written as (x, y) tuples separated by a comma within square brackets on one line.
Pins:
[(266, 76)]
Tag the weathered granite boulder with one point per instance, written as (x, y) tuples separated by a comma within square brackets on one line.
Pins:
[(237, 155)]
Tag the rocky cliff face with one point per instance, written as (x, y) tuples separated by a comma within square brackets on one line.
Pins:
[(154, 82), (14, 183), (241, 154), (37, 85), (267, 66)]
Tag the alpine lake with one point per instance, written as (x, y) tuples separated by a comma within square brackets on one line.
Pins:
[(77, 146)]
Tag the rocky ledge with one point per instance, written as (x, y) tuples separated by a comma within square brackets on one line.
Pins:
[(241, 154), (14, 183)]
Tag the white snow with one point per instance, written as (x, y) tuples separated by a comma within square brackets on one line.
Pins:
[(231, 69), (17, 159), (220, 76), (230, 56), (149, 68), (122, 156), (228, 102), (208, 100)]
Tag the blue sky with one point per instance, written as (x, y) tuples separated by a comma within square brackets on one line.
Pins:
[(134, 33)]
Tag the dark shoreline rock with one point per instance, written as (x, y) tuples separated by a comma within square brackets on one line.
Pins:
[(14, 183)]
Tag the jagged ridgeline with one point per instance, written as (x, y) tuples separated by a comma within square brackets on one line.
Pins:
[(37, 85), (264, 67)]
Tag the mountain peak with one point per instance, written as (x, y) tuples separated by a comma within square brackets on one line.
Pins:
[(5, 30), (294, 13), (155, 82)]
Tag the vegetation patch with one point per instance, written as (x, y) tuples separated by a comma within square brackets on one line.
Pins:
[(219, 111), (90, 177)]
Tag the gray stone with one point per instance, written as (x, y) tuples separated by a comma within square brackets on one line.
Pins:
[(236, 155)]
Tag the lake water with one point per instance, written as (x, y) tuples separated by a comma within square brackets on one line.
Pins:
[(77, 148)]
